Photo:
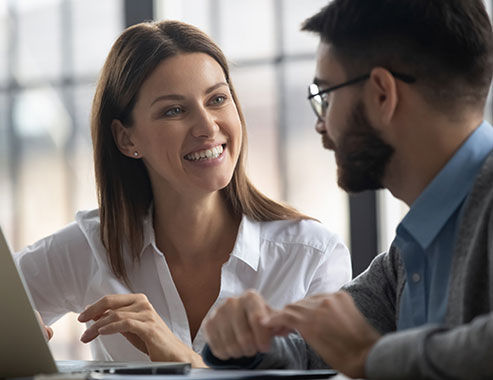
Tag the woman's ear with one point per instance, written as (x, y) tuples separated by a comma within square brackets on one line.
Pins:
[(123, 139), (382, 96)]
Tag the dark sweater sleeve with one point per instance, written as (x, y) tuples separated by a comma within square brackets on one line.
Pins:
[(375, 291), (435, 352), (240, 363), (290, 352)]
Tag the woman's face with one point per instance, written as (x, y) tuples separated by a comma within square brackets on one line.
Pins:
[(186, 126)]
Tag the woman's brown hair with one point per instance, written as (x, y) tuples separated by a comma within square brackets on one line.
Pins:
[(124, 189)]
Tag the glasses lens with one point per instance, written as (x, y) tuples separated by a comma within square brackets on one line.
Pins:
[(316, 100)]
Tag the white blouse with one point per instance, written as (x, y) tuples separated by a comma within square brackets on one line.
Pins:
[(283, 260)]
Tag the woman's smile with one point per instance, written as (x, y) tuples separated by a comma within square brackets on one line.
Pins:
[(206, 154), (211, 157)]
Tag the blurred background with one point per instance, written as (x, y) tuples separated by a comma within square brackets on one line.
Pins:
[(51, 52)]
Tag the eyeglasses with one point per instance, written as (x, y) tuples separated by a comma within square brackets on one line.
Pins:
[(318, 98)]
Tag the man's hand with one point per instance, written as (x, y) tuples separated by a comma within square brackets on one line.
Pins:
[(334, 327), (47, 330), (235, 328), (133, 316)]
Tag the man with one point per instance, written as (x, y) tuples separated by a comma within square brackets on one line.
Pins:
[(399, 92)]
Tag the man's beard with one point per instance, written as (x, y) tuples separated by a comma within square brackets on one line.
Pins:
[(361, 154)]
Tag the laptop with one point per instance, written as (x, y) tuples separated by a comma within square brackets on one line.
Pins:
[(23, 348)]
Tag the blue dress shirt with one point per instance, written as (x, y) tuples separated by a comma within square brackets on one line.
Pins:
[(426, 235)]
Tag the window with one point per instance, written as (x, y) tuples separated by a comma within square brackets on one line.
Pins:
[(47, 82)]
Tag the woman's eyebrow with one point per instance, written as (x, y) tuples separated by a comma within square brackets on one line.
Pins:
[(181, 97), (168, 97), (217, 85)]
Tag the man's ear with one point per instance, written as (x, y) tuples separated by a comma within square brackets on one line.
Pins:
[(382, 96), (123, 139)]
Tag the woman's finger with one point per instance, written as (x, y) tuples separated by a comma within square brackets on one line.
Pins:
[(47, 330), (110, 316), (110, 302), (134, 331)]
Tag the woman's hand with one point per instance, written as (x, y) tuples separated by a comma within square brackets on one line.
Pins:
[(133, 316), (47, 330)]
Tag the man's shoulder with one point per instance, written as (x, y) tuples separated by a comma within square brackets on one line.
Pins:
[(386, 264), (483, 182), (480, 198)]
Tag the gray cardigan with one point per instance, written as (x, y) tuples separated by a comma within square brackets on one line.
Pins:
[(462, 348)]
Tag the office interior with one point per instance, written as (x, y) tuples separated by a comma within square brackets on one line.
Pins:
[(51, 52)]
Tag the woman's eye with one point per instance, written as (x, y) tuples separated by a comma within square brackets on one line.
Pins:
[(219, 99), (174, 111)]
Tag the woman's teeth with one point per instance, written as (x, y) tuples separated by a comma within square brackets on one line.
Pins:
[(207, 154)]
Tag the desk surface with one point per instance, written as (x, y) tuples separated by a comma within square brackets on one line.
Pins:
[(202, 374), (210, 374)]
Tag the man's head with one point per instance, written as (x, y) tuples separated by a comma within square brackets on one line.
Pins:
[(442, 48)]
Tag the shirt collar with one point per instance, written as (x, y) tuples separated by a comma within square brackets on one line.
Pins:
[(247, 245), (246, 248), (448, 189)]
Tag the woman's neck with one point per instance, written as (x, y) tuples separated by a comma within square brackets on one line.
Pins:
[(190, 230)]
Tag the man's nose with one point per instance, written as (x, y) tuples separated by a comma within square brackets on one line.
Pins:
[(320, 126)]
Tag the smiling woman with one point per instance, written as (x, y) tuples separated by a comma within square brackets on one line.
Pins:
[(189, 140), (179, 226)]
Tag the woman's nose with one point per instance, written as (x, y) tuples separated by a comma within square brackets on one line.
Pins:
[(205, 124)]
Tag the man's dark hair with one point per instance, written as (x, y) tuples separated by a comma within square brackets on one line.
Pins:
[(445, 44)]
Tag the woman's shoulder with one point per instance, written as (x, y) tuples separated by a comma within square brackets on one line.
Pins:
[(89, 223), (79, 235), (88, 219), (306, 232), (68, 241)]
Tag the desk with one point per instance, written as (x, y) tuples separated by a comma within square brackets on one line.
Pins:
[(211, 374), (201, 374)]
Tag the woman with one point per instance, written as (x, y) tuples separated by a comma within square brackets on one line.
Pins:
[(179, 226)]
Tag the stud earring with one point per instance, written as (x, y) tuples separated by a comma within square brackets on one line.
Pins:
[(136, 154)]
